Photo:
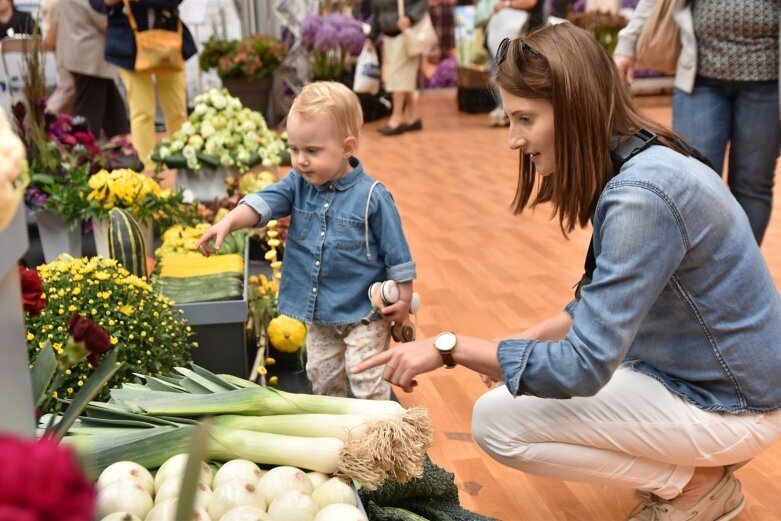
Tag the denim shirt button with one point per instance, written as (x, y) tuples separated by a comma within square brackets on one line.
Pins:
[(326, 205), (322, 234), (317, 263), (314, 290), (330, 187)]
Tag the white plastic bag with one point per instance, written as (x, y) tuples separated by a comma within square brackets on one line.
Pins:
[(367, 72)]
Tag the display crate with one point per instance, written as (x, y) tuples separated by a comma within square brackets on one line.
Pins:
[(219, 328)]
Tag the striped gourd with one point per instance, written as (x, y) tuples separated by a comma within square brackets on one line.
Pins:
[(125, 243)]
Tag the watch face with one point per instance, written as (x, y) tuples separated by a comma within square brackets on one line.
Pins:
[(445, 341)]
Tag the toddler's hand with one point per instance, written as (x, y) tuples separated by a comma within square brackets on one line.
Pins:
[(397, 312), (488, 381), (217, 232)]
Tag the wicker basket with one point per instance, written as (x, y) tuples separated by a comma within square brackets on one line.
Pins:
[(473, 76)]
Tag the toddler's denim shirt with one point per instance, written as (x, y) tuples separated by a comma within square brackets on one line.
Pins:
[(327, 269), (680, 292)]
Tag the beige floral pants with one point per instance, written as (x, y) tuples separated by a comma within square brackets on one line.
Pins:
[(329, 352)]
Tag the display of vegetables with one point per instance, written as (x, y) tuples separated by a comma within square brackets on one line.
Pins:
[(362, 440), (238, 491)]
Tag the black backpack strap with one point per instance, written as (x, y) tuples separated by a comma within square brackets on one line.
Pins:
[(636, 143)]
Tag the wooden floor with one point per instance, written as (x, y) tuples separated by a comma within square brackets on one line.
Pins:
[(483, 271)]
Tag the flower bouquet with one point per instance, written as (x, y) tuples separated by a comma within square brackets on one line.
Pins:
[(254, 57), (152, 336), (331, 39)]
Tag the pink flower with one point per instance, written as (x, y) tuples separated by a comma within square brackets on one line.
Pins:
[(42, 481)]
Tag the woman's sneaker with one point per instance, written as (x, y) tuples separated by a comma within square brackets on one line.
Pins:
[(722, 503)]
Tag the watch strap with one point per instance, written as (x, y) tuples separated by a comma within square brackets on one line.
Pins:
[(447, 358)]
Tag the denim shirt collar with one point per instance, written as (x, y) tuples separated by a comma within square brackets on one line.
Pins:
[(348, 181)]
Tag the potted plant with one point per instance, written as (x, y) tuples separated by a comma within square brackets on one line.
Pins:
[(245, 66), (137, 193), (332, 38), (221, 138)]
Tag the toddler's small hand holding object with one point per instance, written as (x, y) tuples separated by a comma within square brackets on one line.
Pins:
[(217, 232)]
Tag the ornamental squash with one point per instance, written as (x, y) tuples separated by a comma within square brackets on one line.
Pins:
[(286, 334), (125, 243)]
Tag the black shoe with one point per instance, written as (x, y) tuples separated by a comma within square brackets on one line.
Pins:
[(392, 131), (415, 125)]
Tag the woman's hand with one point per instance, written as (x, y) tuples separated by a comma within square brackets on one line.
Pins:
[(404, 362), (626, 67), (404, 23)]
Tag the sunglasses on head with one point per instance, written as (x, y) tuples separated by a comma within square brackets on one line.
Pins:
[(501, 53)]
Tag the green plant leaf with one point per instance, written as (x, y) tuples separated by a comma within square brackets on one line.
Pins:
[(42, 373), (192, 471), (94, 384)]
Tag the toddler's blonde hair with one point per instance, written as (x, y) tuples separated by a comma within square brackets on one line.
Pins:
[(340, 102)]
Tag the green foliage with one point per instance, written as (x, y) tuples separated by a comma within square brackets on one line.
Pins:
[(434, 496), (149, 336), (68, 199)]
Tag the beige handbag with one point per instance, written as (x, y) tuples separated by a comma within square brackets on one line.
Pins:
[(420, 36), (156, 49), (659, 43)]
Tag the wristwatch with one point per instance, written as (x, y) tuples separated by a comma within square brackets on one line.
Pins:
[(445, 343)]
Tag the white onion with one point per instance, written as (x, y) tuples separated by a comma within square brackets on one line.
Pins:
[(237, 469), (174, 468), (166, 511), (340, 512), (334, 491), (127, 470), (317, 478), (171, 488), (293, 505), (282, 479), (124, 496), (245, 513), (121, 516), (235, 494)]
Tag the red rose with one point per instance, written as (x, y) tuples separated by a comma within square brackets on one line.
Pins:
[(42, 481), (32, 291), (93, 337)]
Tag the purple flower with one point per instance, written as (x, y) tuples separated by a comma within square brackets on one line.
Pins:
[(351, 40), (328, 38), (35, 197), (310, 27), (444, 75)]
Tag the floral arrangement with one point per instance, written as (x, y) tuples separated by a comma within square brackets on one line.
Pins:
[(152, 337), (332, 38), (141, 195), (13, 171), (42, 479), (254, 57), (220, 132), (604, 26)]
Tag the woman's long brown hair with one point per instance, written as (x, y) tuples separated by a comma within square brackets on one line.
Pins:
[(565, 65)]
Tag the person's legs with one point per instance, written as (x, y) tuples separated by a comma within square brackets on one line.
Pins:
[(61, 100), (754, 146), (397, 113), (703, 118), (325, 360), (632, 433), (115, 121), (89, 101), (141, 102), (172, 89), (411, 114), (365, 341)]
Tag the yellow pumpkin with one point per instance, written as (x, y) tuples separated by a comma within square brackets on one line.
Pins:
[(286, 334)]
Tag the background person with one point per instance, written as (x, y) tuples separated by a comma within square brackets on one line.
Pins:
[(13, 21), (661, 375), (726, 90)]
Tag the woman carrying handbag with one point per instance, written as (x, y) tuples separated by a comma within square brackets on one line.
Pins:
[(146, 39), (400, 68)]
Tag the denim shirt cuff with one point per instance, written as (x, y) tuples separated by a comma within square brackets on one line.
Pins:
[(402, 272), (569, 309), (513, 356), (260, 206)]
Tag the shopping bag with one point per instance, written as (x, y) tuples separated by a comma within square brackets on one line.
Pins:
[(367, 72), (420, 36), (659, 42)]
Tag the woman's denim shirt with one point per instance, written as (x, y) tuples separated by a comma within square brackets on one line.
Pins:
[(680, 292), (327, 270)]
